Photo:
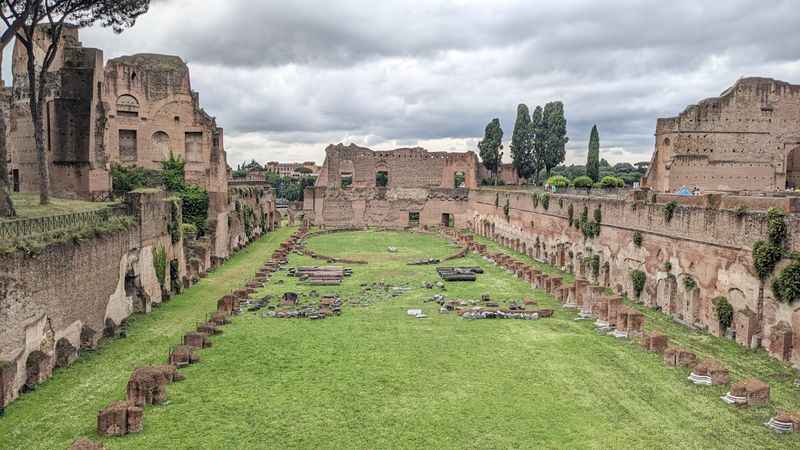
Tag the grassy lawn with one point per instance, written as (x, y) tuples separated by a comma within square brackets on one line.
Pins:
[(28, 207), (376, 378)]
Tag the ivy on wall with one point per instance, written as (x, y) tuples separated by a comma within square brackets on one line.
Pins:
[(637, 238), (160, 264), (669, 210)]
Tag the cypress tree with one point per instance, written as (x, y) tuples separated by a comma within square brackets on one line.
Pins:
[(521, 145), (593, 159), (489, 147)]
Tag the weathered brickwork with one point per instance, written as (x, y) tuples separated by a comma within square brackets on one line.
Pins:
[(404, 168), (747, 139), (711, 246), (133, 110)]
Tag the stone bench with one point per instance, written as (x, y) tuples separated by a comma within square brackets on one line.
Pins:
[(785, 422)]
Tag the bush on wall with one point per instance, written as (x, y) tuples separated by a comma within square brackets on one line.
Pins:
[(637, 238), (638, 279), (724, 311), (786, 286)]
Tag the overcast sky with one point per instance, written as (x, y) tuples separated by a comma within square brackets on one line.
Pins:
[(286, 78)]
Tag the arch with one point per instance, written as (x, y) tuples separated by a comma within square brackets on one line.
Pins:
[(127, 106), (66, 353), (459, 179), (37, 369), (793, 168), (89, 338), (161, 145)]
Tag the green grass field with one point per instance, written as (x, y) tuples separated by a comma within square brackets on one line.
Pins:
[(376, 378)]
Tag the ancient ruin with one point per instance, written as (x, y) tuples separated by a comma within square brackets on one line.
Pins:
[(747, 139)]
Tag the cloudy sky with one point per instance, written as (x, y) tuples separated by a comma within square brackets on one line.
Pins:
[(286, 78)]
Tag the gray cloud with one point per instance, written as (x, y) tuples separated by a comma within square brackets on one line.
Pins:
[(286, 78)]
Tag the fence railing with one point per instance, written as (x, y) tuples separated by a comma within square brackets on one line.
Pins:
[(23, 228)]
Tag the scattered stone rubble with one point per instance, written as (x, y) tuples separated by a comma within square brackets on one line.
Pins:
[(321, 276), (459, 273)]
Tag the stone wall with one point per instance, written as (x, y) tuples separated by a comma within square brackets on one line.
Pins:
[(385, 207), (710, 246), (62, 300), (747, 139), (405, 167)]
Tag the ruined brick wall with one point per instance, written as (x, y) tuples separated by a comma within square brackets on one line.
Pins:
[(746, 139), (252, 214), (709, 245), (77, 169), (71, 291), (385, 207), (135, 110), (405, 167)]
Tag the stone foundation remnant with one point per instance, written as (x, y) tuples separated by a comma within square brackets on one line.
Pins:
[(678, 357), (785, 422), (148, 385), (750, 392), (709, 372), (86, 444), (119, 419), (655, 342)]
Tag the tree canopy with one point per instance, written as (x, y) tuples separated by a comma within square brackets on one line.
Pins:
[(489, 148), (593, 158), (522, 143)]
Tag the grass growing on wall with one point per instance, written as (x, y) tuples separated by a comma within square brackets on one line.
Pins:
[(28, 207), (376, 378)]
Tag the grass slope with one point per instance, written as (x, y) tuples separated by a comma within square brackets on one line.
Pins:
[(27, 206), (375, 378), (65, 407)]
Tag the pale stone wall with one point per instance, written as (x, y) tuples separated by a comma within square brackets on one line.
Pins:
[(747, 139)]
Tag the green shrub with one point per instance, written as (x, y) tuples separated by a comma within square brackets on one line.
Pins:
[(667, 266), (558, 181), (598, 215), (741, 212), (125, 179), (195, 207), (189, 230), (173, 171), (765, 257), (637, 238), (545, 201), (669, 210), (612, 182), (724, 312), (689, 283), (582, 182), (786, 285), (638, 279)]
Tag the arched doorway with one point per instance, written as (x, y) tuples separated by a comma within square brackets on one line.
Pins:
[(37, 369), (793, 168)]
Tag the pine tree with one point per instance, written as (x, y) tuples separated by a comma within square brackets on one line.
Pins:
[(593, 159), (521, 143), (489, 147)]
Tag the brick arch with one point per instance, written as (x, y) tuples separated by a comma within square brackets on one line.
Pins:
[(66, 353), (793, 168), (38, 368)]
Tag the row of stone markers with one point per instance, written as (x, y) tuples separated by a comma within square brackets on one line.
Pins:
[(612, 316), (147, 385)]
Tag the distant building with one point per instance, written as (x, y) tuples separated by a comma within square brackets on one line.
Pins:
[(294, 170)]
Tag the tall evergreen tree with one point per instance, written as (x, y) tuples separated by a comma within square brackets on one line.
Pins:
[(538, 135), (522, 144), (555, 125), (489, 147), (593, 159)]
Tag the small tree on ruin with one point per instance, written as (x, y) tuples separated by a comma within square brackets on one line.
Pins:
[(49, 17)]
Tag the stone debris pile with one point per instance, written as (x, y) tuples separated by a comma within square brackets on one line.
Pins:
[(321, 276), (459, 273), (292, 306), (424, 261)]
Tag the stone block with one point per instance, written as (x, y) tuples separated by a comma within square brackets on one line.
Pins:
[(119, 419), (196, 340)]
